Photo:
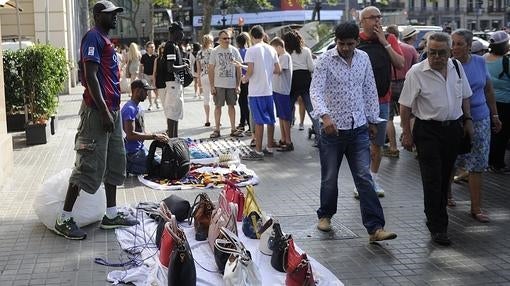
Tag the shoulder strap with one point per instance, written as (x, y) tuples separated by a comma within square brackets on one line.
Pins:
[(456, 64), (506, 62)]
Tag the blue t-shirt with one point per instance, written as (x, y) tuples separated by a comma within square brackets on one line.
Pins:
[(242, 51), (133, 112), (501, 86), (477, 75)]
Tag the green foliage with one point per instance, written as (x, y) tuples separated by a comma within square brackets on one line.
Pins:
[(44, 72), (13, 79)]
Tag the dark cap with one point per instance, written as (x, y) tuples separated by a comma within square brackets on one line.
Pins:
[(106, 7), (176, 26), (141, 83)]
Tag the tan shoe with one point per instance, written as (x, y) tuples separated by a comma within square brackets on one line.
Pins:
[(324, 224), (381, 234)]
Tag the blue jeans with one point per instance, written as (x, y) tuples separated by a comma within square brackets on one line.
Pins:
[(354, 144), (137, 162)]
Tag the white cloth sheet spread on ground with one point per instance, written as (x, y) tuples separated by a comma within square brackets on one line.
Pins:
[(254, 180), (135, 240)]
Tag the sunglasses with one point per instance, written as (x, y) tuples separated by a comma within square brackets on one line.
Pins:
[(225, 38)]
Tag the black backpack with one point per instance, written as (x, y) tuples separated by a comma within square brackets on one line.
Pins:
[(175, 160), (381, 64)]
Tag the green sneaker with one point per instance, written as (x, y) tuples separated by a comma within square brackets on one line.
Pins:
[(121, 220), (69, 229)]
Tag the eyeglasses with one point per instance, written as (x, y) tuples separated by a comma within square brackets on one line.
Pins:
[(437, 53), (374, 17)]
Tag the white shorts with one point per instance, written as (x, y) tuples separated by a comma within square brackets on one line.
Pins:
[(173, 100), (206, 89)]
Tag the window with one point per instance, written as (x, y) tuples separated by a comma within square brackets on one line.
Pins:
[(490, 7), (447, 4), (470, 6)]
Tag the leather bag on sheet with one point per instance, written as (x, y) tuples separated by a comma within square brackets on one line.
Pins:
[(240, 270)]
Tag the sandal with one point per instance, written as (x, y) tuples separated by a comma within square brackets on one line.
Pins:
[(481, 217), (207, 124), (462, 176), (215, 134), (253, 143), (236, 133), (286, 148), (451, 202)]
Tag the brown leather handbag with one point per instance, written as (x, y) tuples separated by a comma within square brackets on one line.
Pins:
[(201, 214)]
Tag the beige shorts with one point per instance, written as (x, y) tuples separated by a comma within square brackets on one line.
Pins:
[(100, 156)]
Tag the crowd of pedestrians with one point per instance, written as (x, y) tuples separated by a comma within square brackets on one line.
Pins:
[(447, 95)]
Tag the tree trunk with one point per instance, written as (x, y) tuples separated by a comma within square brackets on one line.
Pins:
[(206, 20)]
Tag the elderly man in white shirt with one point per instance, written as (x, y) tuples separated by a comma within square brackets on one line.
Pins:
[(436, 91), (344, 96)]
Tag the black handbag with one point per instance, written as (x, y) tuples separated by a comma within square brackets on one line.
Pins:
[(280, 246), (181, 268), (178, 206)]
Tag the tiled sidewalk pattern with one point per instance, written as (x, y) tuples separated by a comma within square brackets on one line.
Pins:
[(480, 255)]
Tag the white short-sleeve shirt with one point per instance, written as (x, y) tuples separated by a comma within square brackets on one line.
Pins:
[(432, 97), (263, 57)]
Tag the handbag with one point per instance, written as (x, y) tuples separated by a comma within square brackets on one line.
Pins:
[(280, 247), (167, 242), (223, 216), (201, 215), (178, 206), (298, 268), (181, 268), (239, 268), (164, 215), (233, 194), (266, 234), (253, 217)]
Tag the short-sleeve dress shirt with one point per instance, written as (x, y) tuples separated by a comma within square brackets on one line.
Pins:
[(432, 97)]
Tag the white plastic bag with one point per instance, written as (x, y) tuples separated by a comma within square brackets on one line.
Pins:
[(49, 201)]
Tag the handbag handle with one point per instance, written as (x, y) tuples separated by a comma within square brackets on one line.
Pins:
[(193, 209), (175, 233), (233, 239), (251, 194)]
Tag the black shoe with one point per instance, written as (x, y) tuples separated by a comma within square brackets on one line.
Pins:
[(441, 238), (120, 220), (68, 229)]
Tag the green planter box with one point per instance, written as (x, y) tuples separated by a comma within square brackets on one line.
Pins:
[(37, 134)]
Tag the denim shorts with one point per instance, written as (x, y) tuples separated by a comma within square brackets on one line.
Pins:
[(384, 109)]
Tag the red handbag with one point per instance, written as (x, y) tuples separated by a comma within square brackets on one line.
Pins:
[(234, 195), (298, 268), (167, 240)]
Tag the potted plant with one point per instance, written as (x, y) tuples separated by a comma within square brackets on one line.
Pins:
[(44, 70), (14, 93)]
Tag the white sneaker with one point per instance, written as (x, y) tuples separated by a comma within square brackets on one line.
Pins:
[(378, 190)]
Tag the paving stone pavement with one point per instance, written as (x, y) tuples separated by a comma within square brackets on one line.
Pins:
[(32, 255)]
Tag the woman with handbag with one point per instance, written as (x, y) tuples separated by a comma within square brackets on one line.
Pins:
[(483, 104)]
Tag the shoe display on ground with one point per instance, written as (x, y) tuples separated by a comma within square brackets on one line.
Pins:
[(441, 238), (253, 156), (391, 153), (381, 234), (121, 220), (324, 224), (68, 229)]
